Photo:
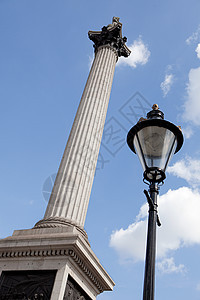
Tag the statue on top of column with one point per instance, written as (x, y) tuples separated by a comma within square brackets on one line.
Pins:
[(111, 35)]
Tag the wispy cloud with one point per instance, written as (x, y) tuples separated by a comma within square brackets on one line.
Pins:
[(198, 50), (188, 169), (168, 266), (193, 37), (198, 287), (192, 104), (139, 54), (187, 132), (130, 243), (166, 84)]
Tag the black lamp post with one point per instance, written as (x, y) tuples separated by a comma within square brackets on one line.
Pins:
[(155, 140)]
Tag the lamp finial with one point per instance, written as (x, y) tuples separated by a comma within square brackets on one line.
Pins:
[(155, 107)]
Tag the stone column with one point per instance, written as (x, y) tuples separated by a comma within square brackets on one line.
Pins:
[(71, 192)]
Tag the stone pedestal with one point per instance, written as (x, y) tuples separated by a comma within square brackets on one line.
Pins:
[(63, 259)]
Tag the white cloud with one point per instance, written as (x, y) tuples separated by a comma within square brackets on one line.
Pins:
[(167, 83), (130, 242), (192, 105), (179, 214), (139, 54), (167, 266), (198, 50), (194, 36), (188, 169)]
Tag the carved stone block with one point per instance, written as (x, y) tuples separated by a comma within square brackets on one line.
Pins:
[(27, 285), (74, 292)]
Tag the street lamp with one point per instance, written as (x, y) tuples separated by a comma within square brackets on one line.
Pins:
[(155, 140)]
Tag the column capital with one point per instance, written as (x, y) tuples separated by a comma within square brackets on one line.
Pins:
[(111, 35)]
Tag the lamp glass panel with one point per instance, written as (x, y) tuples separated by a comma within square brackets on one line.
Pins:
[(155, 146)]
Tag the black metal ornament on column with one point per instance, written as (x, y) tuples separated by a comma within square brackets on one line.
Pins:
[(155, 140)]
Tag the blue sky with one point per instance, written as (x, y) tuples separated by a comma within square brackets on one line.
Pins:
[(45, 56)]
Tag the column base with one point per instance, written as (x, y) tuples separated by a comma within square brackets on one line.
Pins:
[(56, 222)]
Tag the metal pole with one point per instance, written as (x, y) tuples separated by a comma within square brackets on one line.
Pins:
[(149, 277)]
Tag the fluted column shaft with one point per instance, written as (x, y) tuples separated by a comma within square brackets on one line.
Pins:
[(71, 192)]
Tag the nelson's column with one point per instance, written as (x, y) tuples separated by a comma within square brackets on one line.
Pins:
[(53, 260)]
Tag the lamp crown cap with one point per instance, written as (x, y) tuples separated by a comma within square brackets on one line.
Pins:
[(155, 113)]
